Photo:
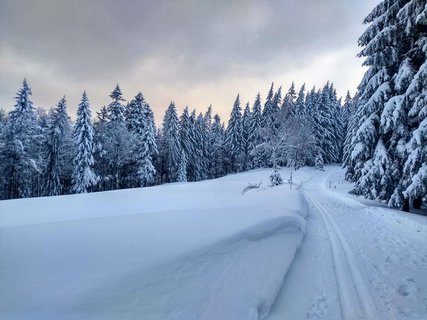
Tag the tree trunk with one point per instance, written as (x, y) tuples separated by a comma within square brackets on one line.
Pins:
[(406, 205), (417, 202)]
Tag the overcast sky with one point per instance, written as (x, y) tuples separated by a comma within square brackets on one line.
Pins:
[(193, 52)]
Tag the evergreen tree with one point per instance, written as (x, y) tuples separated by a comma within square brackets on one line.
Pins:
[(118, 146), (135, 115), (234, 137), (20, 159), (300, 108), (246, 127), (171, 142), (217, 138), (202, 157), (147, 148), (187, 138), (269, 108), (83, 176), (58, 152), (255, 131), (115, 109), (288, 105), (387, 111)]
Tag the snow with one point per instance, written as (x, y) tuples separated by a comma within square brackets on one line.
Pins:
[(178, 251), (205, 251)]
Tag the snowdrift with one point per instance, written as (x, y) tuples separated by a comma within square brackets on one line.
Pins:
[(178, 251)]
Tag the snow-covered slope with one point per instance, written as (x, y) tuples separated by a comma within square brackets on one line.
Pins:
[(179, 251), (205, 251)]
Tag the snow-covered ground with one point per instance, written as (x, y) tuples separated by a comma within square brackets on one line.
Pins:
[(205, 251)]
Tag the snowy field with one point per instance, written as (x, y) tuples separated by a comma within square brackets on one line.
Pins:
[(205, 251)]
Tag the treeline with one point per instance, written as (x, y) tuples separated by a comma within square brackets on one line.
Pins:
[(42, 153), (386, 145)]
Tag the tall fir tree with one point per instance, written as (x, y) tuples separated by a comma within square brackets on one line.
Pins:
[(234, 138), (83, 177), (172, 143), (20, 158), (58, 152)]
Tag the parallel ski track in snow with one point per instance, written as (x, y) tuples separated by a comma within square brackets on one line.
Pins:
[(354, 298)]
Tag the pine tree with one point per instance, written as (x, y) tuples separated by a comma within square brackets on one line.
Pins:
[(135, 115), (171, 142), (115, 109), (234, 137), (83, 176), (58, 153), (288, 105), (393, 46), (300, 108), (217, 137), (20, 157), (275, 177), (147, 148), (277, 100), (255, 131), (187, 138), (246, 127), (269, 108), (118, 146)]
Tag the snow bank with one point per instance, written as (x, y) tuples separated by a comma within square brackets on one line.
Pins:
[(179, 251)]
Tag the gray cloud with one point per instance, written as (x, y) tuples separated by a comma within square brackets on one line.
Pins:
[(183, 50)]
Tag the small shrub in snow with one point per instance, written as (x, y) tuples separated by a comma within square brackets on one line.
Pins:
[(275, 177)]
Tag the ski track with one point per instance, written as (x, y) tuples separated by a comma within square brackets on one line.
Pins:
[(355, 301)]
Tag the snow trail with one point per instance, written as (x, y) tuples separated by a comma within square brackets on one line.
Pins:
[(354, 297)]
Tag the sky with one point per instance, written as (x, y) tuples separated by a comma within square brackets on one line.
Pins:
[(195, 53)]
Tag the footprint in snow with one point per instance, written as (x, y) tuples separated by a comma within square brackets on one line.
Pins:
[(409, 288)]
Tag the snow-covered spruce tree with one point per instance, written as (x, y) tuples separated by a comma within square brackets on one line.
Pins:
[(209, 142), (255, 128), (288, 105), (393, 47), (413, 74), (118, 145), (269, 108), (323, 126), (381, 57), (349, 122), (275, 177), (246, 127), (372, 181), (300, 108), (234, 138), (20, 157), (217, 156), (116, 110), (147, 148), (102, 115), (172, 143), (277, 100), (202, 157), (83, 177), (188, 143), (99, 154), (58, 152), (160, 159), (135, 116)]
